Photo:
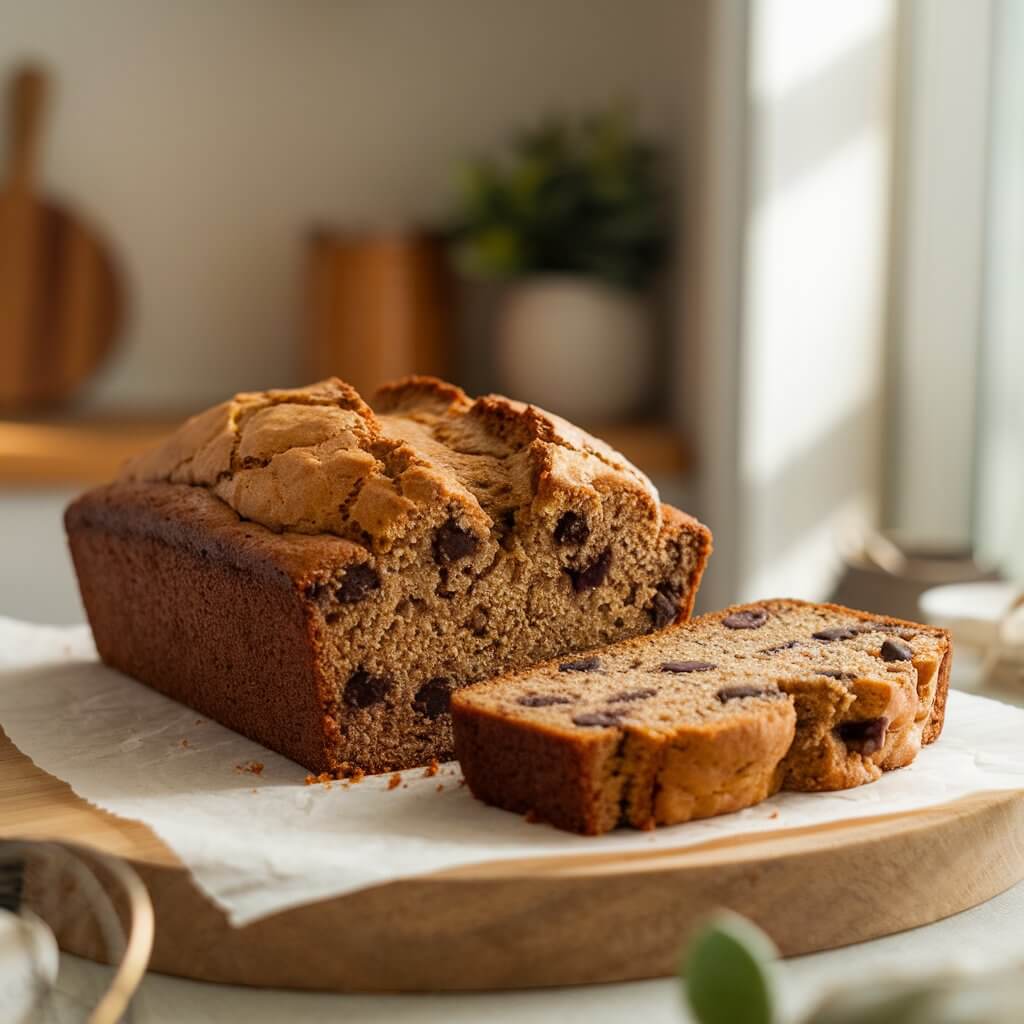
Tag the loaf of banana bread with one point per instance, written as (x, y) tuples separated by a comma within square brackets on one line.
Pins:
[(321, 576), (706, 717)]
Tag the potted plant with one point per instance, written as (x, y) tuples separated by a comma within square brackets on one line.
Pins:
[(574, 218)]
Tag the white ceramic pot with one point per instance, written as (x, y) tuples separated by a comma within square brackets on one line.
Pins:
[(575, 346)]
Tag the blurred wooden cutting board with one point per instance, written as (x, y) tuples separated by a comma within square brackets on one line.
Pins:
[(60, 300)]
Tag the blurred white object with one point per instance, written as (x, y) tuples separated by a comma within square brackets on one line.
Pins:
[(986, 619), (28, 965), (576, 346), (50, 889), (973, 612)]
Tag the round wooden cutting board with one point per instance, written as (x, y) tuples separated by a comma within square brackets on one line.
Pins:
[(60, 296), (556, 921)]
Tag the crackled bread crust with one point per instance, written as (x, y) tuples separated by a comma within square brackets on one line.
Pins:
[(706, 717), (397, 553)]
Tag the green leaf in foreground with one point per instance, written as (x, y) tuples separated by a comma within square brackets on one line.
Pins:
[(727, 972)]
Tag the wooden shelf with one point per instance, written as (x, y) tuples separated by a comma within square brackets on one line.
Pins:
[(54, 453), (90, 451)]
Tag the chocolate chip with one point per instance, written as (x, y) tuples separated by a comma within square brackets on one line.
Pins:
[(583, 665), (750, 618), (360, 581), (688, 666), (895, 650), (628, 695), (541, 700), (478, 621), (363, 690), (728, 693), (505, 527), (599, 718), (452, 542), (836, 633), (787, 646), (836, 673), (593, 575), (432, 698), (572, 528), (664, 607), (866, 736)]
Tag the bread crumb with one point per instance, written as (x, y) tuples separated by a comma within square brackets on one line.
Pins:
[(432, 769), (462, 781), (346, 772), (395, 781), (533, 818), (183, 743), (323, 779), (200, 721), (252, 767), (440, 787), (774, 813)]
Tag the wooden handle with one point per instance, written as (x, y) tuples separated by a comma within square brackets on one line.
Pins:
[(27, 98)]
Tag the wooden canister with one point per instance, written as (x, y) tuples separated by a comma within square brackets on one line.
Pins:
[(378, 306)]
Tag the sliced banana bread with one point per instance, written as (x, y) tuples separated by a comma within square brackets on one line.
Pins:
[(321, 576), (706, 717)]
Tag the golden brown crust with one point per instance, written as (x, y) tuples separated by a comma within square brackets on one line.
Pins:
[(527, 761), (605, 778), (933, 728), (682, 524), (319, 460), (176, 600), (192, 519)]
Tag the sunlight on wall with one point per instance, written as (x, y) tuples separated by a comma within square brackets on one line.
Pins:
[(811, 375), (796, 40), (1000, 511)]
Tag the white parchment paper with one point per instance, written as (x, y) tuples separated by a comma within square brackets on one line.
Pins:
[(257, 844)]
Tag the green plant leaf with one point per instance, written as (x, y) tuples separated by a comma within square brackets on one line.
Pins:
[(494, 252), (571, 197), (727, 972)]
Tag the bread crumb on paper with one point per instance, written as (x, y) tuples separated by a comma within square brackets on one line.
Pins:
[(432, 769), (251, 767), (395, 781)]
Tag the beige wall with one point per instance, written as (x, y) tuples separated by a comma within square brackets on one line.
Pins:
[(794, 301), (817, 238), (205, 137)]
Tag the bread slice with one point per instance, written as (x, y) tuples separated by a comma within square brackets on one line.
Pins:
[(321, 576), (706, 717)]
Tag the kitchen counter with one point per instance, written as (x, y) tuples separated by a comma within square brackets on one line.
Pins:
[(985, 937)]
